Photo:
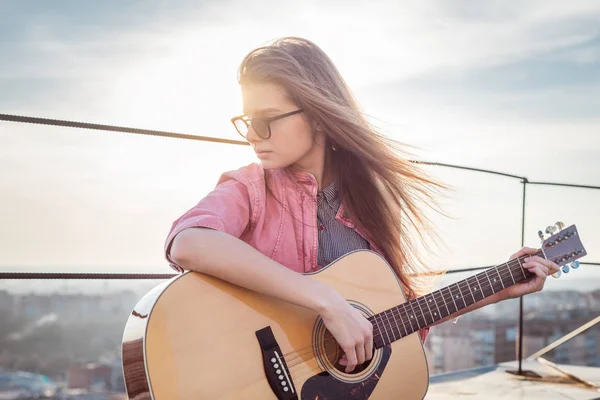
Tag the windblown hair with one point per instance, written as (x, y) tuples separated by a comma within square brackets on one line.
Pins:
[(384, 193)]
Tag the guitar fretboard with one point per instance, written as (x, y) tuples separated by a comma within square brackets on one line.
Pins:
[(400, 321)]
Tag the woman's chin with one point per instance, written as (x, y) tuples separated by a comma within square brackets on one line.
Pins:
[(269, 164)]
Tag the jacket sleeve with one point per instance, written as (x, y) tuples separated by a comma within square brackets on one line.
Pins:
[(226, 209), (423, 334)]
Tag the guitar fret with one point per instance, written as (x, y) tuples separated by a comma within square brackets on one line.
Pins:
[(446, 304), (471, 290), (498, 285), (412, 317), (390, 320), (384, 321), (422, 314), (402, 320), (402, 316), (377, 334), (396, 323), (511, 275), (488, 278), (462, 296), (437, 306), (456, 298), (481, 291), (379, 329), (468, 299), (428, 309), (522, 269), (473, 287), (404, 326), (503, 287), (454, 301), (385, 330), (433, 314)]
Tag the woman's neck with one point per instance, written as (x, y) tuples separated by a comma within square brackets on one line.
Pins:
[(315, 163)]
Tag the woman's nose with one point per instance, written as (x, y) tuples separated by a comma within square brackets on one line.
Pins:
[(251, 136)]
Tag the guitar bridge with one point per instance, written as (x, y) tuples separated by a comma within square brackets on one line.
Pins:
[(276, 370)]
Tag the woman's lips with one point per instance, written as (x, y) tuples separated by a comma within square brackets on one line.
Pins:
[(262, 153)]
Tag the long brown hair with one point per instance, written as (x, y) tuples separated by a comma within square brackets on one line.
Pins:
[(384, 193)]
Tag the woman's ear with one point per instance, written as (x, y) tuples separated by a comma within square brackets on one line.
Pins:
[(317, 127)]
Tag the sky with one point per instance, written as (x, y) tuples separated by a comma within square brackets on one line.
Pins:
[(509, 86)]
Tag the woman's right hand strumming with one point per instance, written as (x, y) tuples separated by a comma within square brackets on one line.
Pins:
[(352, 331)]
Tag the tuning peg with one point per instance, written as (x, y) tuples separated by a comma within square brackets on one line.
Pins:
[(541, 235), (566, 268), (575, 264), (559, 225), (551, 229), (557, 274)]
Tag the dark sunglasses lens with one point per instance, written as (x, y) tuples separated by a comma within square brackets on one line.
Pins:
[(261, 128)]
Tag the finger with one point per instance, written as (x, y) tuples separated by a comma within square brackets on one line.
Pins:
[(360, 353), (552, 266), (369, 347), (534, 264), (523, 251), (540, 276), (343, 361), (537, 283), (549, 263), (351, 358)]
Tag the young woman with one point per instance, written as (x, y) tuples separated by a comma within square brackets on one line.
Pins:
[(327, 184)]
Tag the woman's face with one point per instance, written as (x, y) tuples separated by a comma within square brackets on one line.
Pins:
[(292, 140)]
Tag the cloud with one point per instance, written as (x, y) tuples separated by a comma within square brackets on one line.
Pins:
[(478, 82)]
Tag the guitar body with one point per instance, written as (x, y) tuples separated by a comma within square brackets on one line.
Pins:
[(195, 337)]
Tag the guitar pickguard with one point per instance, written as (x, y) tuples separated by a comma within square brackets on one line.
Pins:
[(326, 387)]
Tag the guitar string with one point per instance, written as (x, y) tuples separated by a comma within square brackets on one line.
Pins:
[(463, 285), (406, 313), (310, 348), (311, 369), (401, 313), (299, 356), (298, 372), (504, 275)]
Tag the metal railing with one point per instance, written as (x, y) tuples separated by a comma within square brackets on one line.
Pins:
[(116, 276)]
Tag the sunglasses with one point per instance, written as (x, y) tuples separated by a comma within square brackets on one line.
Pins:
[(262, 126)]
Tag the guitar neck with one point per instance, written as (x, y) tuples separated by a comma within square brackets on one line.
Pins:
[(404, 319)]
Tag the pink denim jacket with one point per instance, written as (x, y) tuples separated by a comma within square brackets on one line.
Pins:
[(282, 228)]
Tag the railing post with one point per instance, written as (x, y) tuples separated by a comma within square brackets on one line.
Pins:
[(520, 347)]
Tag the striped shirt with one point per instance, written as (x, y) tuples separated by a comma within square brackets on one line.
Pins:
[(335, 239)]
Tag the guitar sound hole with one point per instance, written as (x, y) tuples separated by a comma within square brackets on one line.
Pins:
[(334, 353)]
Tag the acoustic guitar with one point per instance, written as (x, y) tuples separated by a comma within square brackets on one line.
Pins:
[(197, 337)]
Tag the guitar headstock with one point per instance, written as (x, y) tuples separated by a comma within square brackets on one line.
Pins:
[(563, 247)]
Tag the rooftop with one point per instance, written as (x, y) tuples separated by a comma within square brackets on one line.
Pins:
[(553, 382)]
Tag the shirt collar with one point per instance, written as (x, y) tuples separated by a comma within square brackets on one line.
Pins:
[(331, 194)]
